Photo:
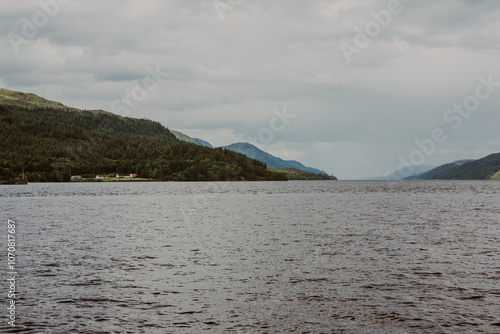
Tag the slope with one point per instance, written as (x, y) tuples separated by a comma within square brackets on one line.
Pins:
[(482, 169), (203, 142), (403, 173), (183, 137), (270, 160)]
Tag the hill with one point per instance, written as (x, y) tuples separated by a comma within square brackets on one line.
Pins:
[(51, 142), (32, 101), (402, 174), (202, 142), (27, 100), (183, 137), (482, 169), (437, 171), (254, 152)]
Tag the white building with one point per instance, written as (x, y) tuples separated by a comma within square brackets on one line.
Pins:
[(126, 176)]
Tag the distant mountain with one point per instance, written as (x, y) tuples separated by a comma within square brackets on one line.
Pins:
[(483, 169), (443, 169), (403, 173), (183, 137), (203, 143), (254, 152)]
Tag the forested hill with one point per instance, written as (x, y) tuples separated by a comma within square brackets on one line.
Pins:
[(483, 169), (51, 142)]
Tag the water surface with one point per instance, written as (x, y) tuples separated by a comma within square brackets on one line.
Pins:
[(277, 257)]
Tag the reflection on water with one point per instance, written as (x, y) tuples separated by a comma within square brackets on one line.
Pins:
[(331, 257)]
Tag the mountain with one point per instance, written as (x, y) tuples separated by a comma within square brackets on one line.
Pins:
[(203, 143), (403, 173), (50, 142), (290, 168), (254, 152), (482, 169), (437, 170), (183, 137)]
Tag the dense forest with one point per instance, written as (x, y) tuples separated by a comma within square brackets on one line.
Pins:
[(50, 144)]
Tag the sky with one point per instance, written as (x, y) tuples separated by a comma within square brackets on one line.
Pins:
[(353, 87)]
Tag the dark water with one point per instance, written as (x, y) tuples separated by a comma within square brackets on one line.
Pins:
[(294, 257)]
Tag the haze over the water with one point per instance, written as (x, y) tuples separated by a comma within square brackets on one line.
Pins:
[(368, 83)]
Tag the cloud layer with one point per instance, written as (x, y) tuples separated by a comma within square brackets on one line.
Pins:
[(231, 64)]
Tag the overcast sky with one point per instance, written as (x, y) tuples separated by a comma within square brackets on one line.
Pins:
[(328, 83)]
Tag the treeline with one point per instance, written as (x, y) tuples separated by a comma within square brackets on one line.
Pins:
[(297, 174), (52, 144)]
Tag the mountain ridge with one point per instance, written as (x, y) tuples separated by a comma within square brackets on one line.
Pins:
[(270, 160), (29, 100), (254, 152), (203, 142), (402, 174), (486, 168)]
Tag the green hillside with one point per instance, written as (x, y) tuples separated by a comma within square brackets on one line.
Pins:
[(51, 142), (482, 169)]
